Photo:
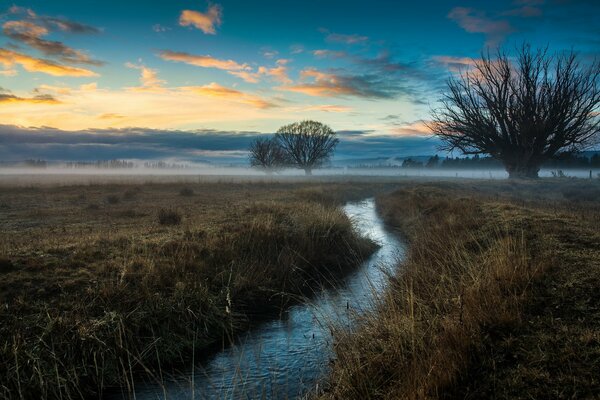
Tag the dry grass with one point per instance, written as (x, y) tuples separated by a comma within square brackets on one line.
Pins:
[(92, 296), (470, 313)]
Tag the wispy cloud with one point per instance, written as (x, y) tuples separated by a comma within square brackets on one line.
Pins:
[(9, 58), (344, 38), (204, 61), (332, 84), (455, 64), (149, 79), (11, 98), (31, 28), (215, 90), (206, 22), (475, 21)]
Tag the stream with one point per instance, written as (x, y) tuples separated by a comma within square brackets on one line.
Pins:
[(286, 358)]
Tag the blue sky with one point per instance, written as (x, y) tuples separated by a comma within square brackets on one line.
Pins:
[(109, 68)]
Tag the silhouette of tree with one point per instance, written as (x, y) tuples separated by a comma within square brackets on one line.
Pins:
[(307, 144), (267, 154), (522, 112)]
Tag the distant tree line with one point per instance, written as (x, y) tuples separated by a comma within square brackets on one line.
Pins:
[(101, 164), (479, 162)]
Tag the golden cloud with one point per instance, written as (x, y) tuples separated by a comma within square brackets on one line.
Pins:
[(215, 90), (206, 22), (40, 99), (9, 58), (202, 61), (149, 79)]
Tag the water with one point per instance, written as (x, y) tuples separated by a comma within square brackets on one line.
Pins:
[(286, 358)]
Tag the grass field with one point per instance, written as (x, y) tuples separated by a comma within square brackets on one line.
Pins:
[(498, 296), (99, 283)]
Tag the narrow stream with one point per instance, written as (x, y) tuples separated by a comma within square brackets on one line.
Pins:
[(286, 358)]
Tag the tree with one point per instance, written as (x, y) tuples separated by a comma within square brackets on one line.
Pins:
[(267, 154), (307, 144), (522, 113)]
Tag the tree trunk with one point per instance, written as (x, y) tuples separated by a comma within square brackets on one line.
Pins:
[(519, 170), (308, 171)]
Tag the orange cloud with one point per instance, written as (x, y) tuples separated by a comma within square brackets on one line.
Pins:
[(455, 64), (417, 128), (278, 73), (31, 34), (325, 84), (475, 21), (9, 58), (329, 108), (215, 90), (40, 99), (202, 61), (149, 78), (206, 22)]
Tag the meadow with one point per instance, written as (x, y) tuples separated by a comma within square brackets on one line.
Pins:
[(102, 283), (497, 297)]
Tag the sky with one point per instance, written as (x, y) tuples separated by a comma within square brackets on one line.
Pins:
[(197, 80)]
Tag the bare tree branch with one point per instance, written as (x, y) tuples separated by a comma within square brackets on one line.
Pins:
[(522, 112)]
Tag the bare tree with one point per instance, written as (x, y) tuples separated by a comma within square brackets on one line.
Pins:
[(265, 153), (307, 144), (524, 112)]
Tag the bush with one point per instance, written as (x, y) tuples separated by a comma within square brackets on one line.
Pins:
[(186, 191), (169, 217), (131, 194), (112, 199)]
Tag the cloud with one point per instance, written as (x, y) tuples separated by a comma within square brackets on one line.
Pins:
[(475, 21), (344, 38), (31, 28), (149, 79), (242, 71), (329, 108), (331, 84), (416, 128), (279, 73), (206, 22), (11, 98), (88, 105), (9, 58), (455, 64), (324, 53), (19, 143), (215, 90), (202, 61), (31, 34), (524, 12), (203, 145), (53, 22), (270, 53), (158, 28)]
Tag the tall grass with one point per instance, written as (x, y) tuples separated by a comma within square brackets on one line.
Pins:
[(146, 305), (465, 277)]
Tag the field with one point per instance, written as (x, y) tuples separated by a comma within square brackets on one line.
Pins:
[(498, 296), (101, 282)]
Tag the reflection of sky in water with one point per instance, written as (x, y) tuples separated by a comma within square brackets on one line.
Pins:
[(285, 358)]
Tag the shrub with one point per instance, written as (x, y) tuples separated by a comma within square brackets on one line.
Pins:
[(131, 194), (112, 199), (169, 217), (186, 191)]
